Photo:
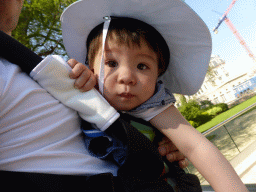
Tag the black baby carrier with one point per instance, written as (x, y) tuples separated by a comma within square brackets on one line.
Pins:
[(142, 170)]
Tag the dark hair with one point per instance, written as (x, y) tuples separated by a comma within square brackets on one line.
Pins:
[(130, 32)]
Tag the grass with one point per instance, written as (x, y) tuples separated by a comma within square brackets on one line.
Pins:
[(223, 116)]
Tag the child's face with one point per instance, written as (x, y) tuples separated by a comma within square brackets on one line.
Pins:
[(130, 74)]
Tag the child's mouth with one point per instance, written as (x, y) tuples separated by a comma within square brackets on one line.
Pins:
[(126, 95)]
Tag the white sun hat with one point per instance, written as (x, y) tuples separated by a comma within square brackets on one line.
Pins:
[(187, 36)]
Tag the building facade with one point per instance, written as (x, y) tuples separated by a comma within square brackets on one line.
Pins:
[(220, 87)]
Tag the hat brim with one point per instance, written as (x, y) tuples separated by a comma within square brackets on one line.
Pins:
[(187, 36)]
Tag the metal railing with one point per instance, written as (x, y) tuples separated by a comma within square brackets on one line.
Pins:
[(229, 119), (250, 187), (228, 132), (231, 137)]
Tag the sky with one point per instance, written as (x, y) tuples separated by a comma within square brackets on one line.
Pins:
[(225, 44)]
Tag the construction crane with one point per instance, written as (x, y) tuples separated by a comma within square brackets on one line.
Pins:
[(234, 30)]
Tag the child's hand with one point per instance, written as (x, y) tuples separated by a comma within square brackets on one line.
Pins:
[(85, 79), (168, 149)]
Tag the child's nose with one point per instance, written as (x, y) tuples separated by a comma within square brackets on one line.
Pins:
[(126, 76)]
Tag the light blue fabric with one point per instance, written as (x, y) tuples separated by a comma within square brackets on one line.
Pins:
[(162, 96)]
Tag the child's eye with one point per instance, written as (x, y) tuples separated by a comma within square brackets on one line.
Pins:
[(112, 64), (142, 66)]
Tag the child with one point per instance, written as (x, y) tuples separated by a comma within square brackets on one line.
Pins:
[(134, 60)]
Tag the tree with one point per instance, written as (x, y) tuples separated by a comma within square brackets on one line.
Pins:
[(190, 110), (39, 26), (193, 113), (204, 104), (180, 98), (210, 75)]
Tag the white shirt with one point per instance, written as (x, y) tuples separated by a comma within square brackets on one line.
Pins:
[(37, 132)]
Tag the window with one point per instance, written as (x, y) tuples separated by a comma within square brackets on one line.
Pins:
[(223, 98), (216, 100), (229, 94)]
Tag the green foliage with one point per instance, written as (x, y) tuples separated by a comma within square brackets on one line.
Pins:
[(193, 113), (227, 114), (216, 109), (183, 99), (39, 26), (194, 124), (210, 75), (223, 106), (190, 110), (213, 111), (202, 119), (205, 104), (198, 115)]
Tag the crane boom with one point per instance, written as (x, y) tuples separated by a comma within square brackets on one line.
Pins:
[(229, 8), (215, 30), (239, 37), (234, 30), (224, 16)]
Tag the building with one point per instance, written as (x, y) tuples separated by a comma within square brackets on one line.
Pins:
[(245, 87), (220, 87)]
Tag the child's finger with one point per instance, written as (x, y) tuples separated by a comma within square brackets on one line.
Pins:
[(77, 70), (90, 84), (183, 163), (82, 79), (166, 148), (72, 63), (175, 156)]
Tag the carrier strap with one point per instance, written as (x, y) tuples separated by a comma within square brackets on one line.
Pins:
[(16, 53)]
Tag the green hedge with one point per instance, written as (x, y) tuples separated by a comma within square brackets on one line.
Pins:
[(198, 115), (216, 109)]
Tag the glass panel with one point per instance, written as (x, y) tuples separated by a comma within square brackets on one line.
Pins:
[(221, 139), (243, 129)]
